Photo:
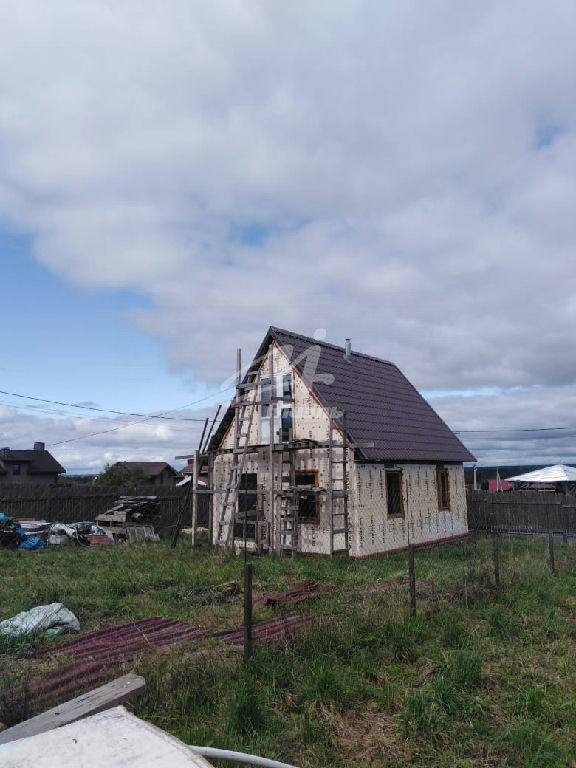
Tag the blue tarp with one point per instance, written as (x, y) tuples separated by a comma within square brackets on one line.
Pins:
[(34, 542)]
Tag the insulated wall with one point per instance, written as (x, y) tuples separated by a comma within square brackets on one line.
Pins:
[(374, 530), (310, 422)]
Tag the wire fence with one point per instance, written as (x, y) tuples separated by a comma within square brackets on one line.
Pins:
[(263, 601)]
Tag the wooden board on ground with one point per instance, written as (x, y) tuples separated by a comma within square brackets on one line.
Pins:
[(110, 695), (111, 739)]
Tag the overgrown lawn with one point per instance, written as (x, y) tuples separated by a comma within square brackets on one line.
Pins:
[(480, 677)]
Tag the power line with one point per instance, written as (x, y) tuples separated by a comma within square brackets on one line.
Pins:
[(133, 423), (33, 410), (115, 412), (525, 429), (104, 432)]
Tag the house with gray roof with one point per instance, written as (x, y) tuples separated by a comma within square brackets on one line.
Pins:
[(336, 451), (157, 472), (29, 466)]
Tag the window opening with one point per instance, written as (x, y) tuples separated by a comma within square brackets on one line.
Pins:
[(394, 493), (308, 501)]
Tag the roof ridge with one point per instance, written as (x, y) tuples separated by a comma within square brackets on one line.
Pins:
[(311, 339)]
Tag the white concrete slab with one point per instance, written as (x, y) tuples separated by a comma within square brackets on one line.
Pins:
[(111, 739), (106, 696)]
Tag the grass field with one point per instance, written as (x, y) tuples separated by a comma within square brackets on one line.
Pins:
[(481, 677)]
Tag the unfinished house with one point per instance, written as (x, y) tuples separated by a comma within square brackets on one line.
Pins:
[(326, 450)]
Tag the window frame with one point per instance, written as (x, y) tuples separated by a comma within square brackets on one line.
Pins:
[(395, 515), (316, 520), (286, 432), (271, 401), (443, 472)]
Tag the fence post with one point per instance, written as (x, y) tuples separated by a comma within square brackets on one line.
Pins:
[(412, 579), (247, 611), (551, 561), (496, 557)]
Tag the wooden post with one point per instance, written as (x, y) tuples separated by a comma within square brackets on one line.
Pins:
[(211, 499), (247, 611), (194, 497), (412, 578), (551, 561), (496, 557), (274, 528), (203, 433), (331, 482), (209, 435)]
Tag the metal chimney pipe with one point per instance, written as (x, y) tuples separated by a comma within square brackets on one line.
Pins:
[(348, 351)]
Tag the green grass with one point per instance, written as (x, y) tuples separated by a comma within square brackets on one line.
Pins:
[(482, 676)]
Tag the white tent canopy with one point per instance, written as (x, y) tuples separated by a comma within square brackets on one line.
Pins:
[(557, 473)]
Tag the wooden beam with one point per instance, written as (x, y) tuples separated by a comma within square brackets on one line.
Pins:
[(195, 469), (106, 696)]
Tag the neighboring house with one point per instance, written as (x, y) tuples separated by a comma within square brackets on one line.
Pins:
[(496, 485), (404, 469), (187, 472), (29, 466), (157, 472)]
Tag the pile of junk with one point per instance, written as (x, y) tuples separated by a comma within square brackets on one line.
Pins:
[(131, 519), (38, 534)]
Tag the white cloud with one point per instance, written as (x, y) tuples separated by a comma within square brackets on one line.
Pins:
[(410, 166), (71, 443)]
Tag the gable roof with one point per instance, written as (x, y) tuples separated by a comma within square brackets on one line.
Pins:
[(382, 407), (151, 468), (41, 462)]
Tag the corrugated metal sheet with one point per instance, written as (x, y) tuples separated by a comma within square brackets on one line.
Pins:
[(556, 473), (100, 655)]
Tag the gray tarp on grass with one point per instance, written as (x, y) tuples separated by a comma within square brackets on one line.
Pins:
[(51, 619)]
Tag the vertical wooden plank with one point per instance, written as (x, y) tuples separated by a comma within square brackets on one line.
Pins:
[(195, 469), (211, 499)]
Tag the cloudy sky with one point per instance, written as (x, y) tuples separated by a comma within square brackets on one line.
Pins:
[(177, 175)]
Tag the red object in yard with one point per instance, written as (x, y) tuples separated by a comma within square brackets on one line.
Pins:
[(100, 655), (98, 539), (301, 591)]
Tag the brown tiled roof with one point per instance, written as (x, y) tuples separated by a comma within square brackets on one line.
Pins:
[(41, 462), (151, 468), (382, 407)]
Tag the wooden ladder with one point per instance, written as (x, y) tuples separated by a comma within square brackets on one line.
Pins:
[(337, 488), (288, 503), (245, 406)]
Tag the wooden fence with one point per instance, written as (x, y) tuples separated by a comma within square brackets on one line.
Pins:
[(73, 504), (528, 512)]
